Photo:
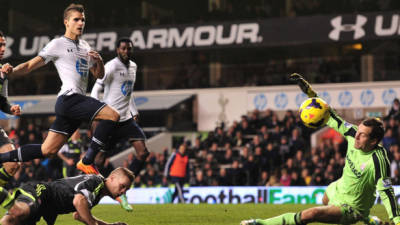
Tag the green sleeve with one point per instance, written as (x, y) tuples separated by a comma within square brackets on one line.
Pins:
[(340, 125), (384, 184)]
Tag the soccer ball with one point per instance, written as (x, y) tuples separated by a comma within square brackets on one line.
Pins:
[(314, 112)]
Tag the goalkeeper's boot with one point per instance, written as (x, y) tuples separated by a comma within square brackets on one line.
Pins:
[(123, 201), (88, 169), (249, 222), (374, 220), (4, 177), (303, 84)]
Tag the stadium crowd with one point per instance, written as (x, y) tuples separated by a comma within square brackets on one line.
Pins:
[(260, 149)]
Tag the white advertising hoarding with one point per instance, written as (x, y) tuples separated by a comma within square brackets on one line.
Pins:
[(230, 195)]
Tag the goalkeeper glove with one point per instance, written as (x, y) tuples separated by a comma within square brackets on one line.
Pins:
[(303, 84)]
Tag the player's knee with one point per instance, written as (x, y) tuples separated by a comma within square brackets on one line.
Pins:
[(325, 199), (115, 116), (49, 152)]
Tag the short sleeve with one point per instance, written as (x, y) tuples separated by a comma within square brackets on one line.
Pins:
[(90, 188), (49, 52)]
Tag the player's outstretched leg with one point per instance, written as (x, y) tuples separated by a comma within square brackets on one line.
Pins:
[(108, 120), (287, 218)]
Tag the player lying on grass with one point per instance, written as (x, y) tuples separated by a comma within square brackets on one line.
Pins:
[(79, 194), (350, 198)]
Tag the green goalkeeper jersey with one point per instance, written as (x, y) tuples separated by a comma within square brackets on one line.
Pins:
[(363, 174)]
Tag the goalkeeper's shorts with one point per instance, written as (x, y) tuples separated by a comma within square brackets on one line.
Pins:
[(350, 215)]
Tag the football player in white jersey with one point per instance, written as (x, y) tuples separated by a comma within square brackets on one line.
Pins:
[(117, 83), (8, 169), (73, 59)]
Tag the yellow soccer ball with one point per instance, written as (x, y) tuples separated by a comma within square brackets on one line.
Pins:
[(314, 112)]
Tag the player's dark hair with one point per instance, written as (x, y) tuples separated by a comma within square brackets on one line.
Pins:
[(123, 40), (1, 34), (124, 171), (73, 7), (377, 128)]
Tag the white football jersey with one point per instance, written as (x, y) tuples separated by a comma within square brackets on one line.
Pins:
[(118, 83), (72, 62)]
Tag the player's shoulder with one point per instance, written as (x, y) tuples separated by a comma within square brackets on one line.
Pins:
[(132, 64), (112, 64)]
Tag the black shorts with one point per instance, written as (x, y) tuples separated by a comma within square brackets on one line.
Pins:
[(4, 138), (127, 130), (28, 194), (72, 110)]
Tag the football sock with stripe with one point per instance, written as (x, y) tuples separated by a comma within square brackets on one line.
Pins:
[(23, 154), (287, 219), (101, 134)]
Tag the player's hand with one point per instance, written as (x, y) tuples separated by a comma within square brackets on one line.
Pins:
[(119, 223), (15, 110), (7, 69), (136, 118), (303, 84), (70, 162), (95, 56)]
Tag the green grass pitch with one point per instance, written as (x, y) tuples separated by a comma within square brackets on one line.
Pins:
[(190, 214)]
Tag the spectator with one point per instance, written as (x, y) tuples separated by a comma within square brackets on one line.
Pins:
[(263, 179), (199, 181), (285, 178), (295, 180), (273, 181), (394, 111), (237, 174), (395, 168), (223, 179)]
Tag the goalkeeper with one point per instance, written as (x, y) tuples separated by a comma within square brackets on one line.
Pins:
[(350, 198)]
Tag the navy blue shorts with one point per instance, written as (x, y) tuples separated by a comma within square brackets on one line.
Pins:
[(72, 110), (127, 130)]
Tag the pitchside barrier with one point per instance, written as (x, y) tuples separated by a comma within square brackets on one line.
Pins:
[(232, 195)]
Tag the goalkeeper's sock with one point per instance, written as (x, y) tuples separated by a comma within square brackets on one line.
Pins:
[(23, 154), (287, 219)]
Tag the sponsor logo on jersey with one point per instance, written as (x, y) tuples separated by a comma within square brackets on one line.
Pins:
[(126, 88), (82, 67)]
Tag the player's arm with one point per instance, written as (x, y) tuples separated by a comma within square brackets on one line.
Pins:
[(98, 66), (82, 208), (96, 90), (29, 66), (61, 155), (6, 107), (384, 185), (133, 108), (100, 83), (335, 121), (169, 164)]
